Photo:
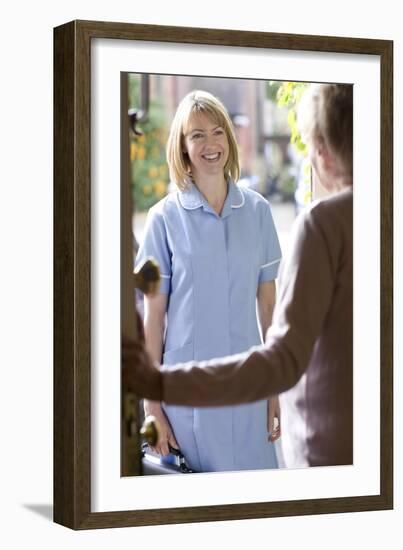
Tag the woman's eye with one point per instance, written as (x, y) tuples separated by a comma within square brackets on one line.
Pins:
[(197, 136)]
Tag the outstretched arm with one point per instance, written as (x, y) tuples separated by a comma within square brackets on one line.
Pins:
[(305, 291)]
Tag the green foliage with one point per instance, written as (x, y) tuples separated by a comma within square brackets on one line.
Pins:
[(272, 89), (147, 152), (289, 95), (307, 170)]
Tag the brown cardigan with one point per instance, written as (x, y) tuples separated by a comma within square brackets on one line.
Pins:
[(308, 348)]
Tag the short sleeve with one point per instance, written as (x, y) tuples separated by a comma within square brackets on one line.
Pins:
[(271, 251), (155, 244)]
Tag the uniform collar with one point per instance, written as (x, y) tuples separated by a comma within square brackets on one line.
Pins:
[(191, 198)]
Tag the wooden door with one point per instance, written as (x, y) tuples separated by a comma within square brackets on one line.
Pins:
[(130, 411)]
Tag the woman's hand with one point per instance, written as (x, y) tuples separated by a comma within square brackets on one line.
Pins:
[(273, 419), (165, 432)]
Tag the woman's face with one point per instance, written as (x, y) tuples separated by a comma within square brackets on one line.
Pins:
[(206, 144)]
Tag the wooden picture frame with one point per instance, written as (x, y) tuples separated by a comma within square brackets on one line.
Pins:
[(72, 273)]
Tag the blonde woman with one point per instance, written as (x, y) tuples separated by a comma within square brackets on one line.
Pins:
[(309, 346), (218, 251)]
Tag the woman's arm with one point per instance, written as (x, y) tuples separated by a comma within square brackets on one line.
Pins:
[(266, 297), (154, 324), (154, 327)]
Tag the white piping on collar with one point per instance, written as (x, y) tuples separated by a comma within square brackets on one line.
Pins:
[(190, 207), (200, 203), (183, 199), (243, 199)]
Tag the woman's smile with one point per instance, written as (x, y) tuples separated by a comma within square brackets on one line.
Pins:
[(212, 157)]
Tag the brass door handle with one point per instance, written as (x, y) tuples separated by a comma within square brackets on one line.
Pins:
[(147, 278), (150, 430)]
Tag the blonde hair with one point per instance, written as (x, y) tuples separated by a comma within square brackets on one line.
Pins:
[(325, 114), (194, 103)]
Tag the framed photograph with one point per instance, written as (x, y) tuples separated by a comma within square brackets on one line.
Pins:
[(112, 81)]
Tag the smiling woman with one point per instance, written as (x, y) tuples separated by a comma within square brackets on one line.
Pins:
[(201, 126), (206, 146), (218, 252)]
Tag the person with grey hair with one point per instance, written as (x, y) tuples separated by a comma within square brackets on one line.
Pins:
[(307, 356)]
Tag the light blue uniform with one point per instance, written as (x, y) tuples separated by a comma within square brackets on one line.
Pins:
[(211, 267)]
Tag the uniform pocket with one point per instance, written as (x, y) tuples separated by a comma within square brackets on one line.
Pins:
[(178, 355)]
